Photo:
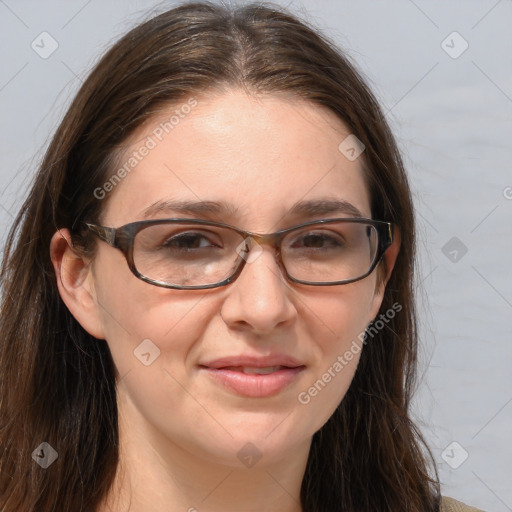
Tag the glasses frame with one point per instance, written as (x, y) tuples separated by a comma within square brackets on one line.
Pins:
[(123, 237)]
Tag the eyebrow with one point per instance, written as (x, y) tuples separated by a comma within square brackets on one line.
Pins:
[(303, 208), (324, 207), (190, 207)]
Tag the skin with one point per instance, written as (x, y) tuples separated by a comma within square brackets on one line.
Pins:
[(180, 432)]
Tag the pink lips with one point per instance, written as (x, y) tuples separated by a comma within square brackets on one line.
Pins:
[(254, 376)]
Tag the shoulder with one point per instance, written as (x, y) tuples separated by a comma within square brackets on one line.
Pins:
[(451, 505)]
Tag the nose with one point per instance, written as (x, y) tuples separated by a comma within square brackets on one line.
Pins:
[(259, 299)]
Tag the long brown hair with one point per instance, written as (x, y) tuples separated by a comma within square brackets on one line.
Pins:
[(57, 382)]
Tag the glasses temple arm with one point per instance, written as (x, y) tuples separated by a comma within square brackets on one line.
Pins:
[(108, 235)]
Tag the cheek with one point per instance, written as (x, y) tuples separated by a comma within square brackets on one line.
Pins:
[(340, 316), (139, 318), (152, 340), (336, 327)]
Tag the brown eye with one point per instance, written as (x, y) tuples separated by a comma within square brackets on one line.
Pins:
[(318, 240), (188, 241)]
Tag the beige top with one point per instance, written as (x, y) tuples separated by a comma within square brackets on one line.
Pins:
[(451, 505)]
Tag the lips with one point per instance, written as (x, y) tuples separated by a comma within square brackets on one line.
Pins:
[(255, 369), (253, 376), (253, 361)]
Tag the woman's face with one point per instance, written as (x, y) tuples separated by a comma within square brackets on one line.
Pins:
[(259, 157)]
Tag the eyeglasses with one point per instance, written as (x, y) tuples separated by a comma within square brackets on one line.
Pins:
[(194, 254)]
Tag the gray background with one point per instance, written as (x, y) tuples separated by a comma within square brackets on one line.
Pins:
[(453, 119)]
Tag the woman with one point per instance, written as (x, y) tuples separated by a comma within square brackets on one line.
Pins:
[(208, 292)]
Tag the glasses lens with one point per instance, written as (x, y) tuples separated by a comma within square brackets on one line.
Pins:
[(330, 252), (186, 255), (200, 255)]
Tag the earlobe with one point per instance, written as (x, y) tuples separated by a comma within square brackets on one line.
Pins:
[(75, 282)]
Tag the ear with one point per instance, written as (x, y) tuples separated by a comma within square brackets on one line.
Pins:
[(75, 282), (384, 271)]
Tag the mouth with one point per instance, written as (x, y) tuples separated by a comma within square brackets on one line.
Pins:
[(254, 381), (255, 370)]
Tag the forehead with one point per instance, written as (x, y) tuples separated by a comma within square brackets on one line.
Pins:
[(257, 155)]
